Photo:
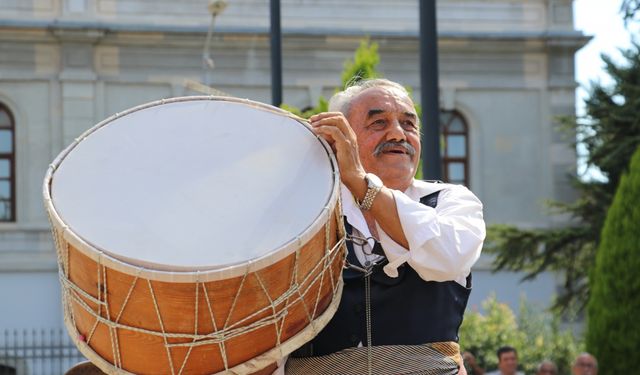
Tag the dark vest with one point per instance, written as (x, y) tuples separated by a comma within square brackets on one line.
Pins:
[(404, 311)]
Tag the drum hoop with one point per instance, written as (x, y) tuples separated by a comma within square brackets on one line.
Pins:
[(103, 256), (254, 364)]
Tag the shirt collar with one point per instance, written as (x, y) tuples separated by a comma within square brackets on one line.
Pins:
[(419, 189)]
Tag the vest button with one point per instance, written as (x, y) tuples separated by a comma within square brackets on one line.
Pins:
[(354, 339)]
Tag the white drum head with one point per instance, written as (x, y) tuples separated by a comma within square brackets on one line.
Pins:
[(193, 184)]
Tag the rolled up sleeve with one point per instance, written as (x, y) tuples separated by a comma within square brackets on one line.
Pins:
[(443, 242)]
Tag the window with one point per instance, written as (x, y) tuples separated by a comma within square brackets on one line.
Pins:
[(455, 148), (7, 163)]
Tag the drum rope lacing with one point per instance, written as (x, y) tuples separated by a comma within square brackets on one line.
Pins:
[(74, 293), (75, 299)]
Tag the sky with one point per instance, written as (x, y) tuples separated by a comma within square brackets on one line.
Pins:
[(602, 20)]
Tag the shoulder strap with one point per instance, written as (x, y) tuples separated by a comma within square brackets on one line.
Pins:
[(430, 200)]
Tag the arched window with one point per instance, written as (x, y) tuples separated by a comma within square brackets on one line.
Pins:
[(7, 166), (455, 148)]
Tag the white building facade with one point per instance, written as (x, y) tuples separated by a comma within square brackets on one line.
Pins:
[(506, 70)]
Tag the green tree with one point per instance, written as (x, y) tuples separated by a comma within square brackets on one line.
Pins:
[(535, 334), (322, 106), (610, 131), (613, 333), (363, 65)]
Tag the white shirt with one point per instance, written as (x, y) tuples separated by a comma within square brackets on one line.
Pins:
[(444, 242)]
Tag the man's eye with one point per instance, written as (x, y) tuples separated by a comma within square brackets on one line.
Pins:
[(378, 123), (409, 124)]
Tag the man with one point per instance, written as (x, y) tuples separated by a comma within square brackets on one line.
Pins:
[(411, 250), (585, 364), (507, 362), (472, 364), (547, 368)]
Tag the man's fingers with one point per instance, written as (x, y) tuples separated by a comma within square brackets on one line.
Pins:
[(327, 136), (333, 123), (333, 119), (346, 149), (336, 130), (322, 115), (333, 135)]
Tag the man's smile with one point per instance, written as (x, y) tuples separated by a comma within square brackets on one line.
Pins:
[(396, 150)]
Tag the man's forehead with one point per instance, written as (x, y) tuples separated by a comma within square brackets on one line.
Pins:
[(383, 98)]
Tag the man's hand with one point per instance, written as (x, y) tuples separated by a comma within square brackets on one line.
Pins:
[(335, 129), (470, 360)]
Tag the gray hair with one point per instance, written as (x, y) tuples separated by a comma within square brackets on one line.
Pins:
[(547, 362), (341, 101), (586, 354)]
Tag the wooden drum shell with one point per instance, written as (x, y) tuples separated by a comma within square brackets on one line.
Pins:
[(128, 319)]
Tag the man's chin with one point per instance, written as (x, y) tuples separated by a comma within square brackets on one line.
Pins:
[(401, 162)]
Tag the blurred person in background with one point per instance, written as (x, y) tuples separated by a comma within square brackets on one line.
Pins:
[(585, 364), (507, 362), (471, 364), (547, 368)]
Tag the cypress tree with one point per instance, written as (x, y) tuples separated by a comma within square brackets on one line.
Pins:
[(610, 133), (613, 331)]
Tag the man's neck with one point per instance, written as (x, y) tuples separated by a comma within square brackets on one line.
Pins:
[(395, 185)]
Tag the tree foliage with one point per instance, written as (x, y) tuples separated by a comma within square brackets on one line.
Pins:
[(610, 131), (536, 335), (613, 334), (322, 106), (630, 9), (363, 65)]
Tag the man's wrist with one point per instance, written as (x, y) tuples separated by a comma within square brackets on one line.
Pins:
[(374, 185)]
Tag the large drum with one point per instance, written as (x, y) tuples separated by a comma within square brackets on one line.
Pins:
[(196, 235)]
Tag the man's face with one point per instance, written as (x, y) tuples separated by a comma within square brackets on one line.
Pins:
[(508, 363), (384, 118), (547, 369), (585, 365)]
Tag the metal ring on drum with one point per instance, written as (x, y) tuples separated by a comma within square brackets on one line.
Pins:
[(196, 235)]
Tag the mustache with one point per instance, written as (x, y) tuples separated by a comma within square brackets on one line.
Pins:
[(384, 146)]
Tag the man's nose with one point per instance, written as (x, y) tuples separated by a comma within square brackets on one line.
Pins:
[(396, 132)]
